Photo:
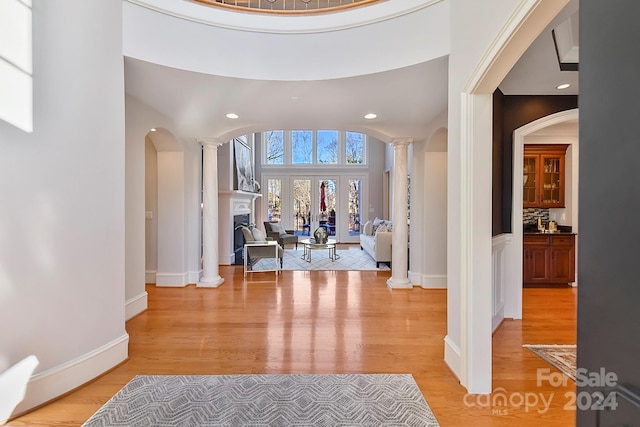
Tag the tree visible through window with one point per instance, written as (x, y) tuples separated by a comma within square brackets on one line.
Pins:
[(274, 202), (355, 147), (328, 146), (313, 147), (302, 146), (274, 142)]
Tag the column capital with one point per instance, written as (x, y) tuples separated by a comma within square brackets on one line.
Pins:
[(401, 142), (209, 142)]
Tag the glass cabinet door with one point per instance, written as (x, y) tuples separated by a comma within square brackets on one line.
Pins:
[(552, 177), (530, 186)]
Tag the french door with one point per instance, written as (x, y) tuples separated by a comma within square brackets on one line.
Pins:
[(315, 204), (306, 203)]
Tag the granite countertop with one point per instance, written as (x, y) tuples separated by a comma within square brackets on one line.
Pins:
[(548, 233), (533, 229)]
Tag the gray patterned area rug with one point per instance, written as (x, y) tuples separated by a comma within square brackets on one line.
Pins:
[(349, 259), (267, 400), (562, 357)]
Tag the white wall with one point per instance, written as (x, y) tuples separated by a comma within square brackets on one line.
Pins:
[(151, 207), (183, 264), (435, 214), (62, 222), (481, 55), (170, 39)]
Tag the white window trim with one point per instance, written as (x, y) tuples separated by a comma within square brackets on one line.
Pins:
[(288, 154)]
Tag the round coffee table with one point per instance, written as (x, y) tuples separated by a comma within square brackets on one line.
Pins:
[(310, 244)]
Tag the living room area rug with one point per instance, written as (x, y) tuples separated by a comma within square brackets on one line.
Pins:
[(267, 400), (348, 259), (562, 357)]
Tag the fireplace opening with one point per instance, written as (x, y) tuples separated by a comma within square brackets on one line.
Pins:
[(238, 238)]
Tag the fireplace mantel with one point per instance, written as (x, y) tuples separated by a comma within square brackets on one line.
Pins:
[(233, 203), (240, 202)]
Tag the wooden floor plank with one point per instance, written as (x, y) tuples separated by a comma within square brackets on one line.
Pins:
[(333, 322)]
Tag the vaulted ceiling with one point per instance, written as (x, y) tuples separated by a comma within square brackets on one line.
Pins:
[(405, 99)]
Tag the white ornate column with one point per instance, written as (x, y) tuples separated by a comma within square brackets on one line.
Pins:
[(400, 238), (210, 270)]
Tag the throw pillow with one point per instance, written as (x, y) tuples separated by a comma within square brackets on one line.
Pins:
[(367, 230), (381, 228), (248, 236), (389, 225), (258, 235), (377, 222)]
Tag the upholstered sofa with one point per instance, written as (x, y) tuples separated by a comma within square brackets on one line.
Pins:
[(376, 240)]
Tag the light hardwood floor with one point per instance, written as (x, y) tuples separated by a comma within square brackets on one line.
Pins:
[(333, 322)]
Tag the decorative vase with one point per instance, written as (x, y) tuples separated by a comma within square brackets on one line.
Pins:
[(321, 235)]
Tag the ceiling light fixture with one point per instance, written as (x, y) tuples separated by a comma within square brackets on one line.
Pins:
[(370, 116), (563, 86), (152, 130), (232, 116)]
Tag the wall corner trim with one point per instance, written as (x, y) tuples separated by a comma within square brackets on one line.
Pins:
[(136, 305), (452, 356)]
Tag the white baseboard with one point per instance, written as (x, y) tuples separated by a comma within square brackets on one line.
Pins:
[(399, 284), (150, 276), (228, 259), (194, 276), (434, 281), (172, 279), (414, 278), (56, 381), (452, 356), (134, 306)]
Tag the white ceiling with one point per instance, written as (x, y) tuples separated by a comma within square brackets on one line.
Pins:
[(406, 100), (537, 72)]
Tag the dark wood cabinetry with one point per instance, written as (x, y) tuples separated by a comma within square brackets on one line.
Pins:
[(548, 259), (543, 176)]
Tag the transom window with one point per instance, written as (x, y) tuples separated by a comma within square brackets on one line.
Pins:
[(313, 147)]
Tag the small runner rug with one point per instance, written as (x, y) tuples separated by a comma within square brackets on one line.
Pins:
[(267, 400), (562, 357), (353, 259)]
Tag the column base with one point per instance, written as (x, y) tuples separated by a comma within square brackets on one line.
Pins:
[(207, 282), (399, 283)]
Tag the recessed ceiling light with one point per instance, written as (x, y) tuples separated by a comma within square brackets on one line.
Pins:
[(152, 129), (232, 116), (563, 86), (370, 116)]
